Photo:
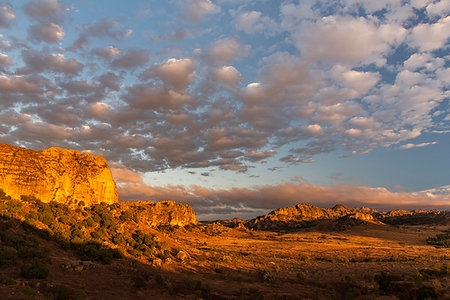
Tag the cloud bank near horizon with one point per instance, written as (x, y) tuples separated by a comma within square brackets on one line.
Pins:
[(210, 203)]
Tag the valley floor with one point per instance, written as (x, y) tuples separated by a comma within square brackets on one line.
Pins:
[(367, 261)]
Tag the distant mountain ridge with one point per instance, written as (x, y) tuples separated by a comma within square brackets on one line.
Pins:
[(305, 215)]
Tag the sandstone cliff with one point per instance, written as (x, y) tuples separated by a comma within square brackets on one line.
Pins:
[(161, 213), (56, 174)]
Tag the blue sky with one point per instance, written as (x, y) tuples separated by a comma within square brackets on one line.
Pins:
[(221, 103)]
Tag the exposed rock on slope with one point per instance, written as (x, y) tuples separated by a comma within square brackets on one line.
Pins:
[(305, 215), (161, 213), (56, 174)]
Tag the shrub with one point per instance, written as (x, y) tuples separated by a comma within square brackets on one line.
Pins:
[(384, 281), (62, 292), (34, 269), (440, 241), (301, 276), (139, 283), (8, 256)]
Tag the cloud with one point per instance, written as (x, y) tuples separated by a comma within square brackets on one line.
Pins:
[(7, 16), (438, 8), (131, 59), (5, 61), (44, 9), (19, 84), (47, 32), (106, 52), (196, 10), (295, 160), (228, 49), (428, 37), (206, 201), (410, 145), (228, 75), (105, 27), (176, 73), (150, 96), (328, 39), (38, 62), (122, 175)]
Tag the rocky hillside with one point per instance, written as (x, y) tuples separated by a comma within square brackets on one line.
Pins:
[(55, 174), (76, 180), (305, 215), (161, 213)]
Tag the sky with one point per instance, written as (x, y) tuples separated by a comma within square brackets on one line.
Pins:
[(238, 107)]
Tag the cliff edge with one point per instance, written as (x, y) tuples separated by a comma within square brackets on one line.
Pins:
[(56, 174)]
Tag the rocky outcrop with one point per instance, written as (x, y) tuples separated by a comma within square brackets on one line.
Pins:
[(305, 215), (56, 174), (161, 213)]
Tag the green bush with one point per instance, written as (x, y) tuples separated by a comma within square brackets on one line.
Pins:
[(384, 281), (441, 240), (34, 269), (62, 292), (8, 256)]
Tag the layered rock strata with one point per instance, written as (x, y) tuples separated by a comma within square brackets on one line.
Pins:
[(56, 174)]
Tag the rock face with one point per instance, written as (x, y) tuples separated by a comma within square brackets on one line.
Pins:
[(305, 215), (56, 174), (161, 213)]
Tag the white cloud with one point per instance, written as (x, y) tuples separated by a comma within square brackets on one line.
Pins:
[(428, 37), (249, 22), (347, 39), (228, 75), (107, 52), (438, 8), (178, 73), (196, 10), (47, 32), (410, 145), (228, 49)]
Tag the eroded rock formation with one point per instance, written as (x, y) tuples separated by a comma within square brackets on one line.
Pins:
[(56, 174), (161, 213), (305, 215)]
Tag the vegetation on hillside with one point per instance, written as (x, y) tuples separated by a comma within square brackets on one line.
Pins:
[(97, 233)]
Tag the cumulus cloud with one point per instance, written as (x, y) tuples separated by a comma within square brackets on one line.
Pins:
[(47, 32), (329, 39), (149, 96), (7, 16), (44, 9), (228, 49), (106, 52), (196, 10), (428, 37), (253, 21), (38, 61), (103, 28), (131, 59), (177, 73), (228, 75)]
